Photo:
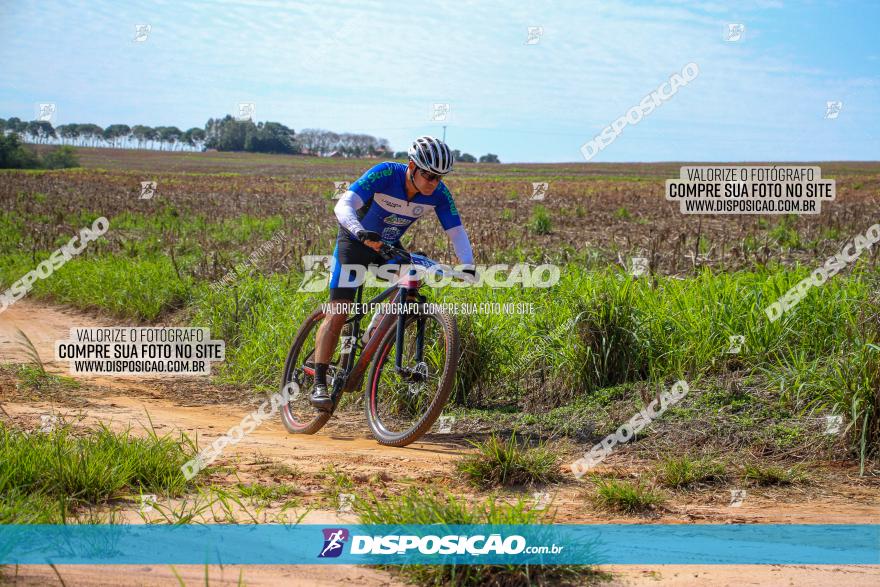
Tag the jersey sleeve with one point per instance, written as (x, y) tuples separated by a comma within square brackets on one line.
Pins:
[(462, 244), (376, 179), (346, 212), (446, 211)]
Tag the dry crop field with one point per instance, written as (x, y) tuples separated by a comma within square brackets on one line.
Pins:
[(529, 397), (607, 212)]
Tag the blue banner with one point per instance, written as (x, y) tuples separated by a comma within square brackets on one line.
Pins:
[(817, 544)]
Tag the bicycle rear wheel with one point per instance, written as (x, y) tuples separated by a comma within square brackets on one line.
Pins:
[(298, 414), (401, 407)]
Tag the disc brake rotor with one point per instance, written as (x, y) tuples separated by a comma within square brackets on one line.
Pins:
[(420, 374)]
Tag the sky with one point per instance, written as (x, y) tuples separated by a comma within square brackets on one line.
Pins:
[(380, 67)]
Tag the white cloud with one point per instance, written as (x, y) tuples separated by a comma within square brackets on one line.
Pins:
[(360, 66)]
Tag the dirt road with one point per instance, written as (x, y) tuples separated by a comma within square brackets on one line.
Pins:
[(205, 411)]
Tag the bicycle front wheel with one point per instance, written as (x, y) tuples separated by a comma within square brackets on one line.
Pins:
[(402, 405)]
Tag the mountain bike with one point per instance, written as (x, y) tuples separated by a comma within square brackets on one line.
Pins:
[(409, 358)]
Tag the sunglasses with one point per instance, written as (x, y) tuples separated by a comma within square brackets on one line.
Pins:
[(429, 176)]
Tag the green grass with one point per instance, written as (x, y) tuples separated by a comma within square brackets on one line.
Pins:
[(21, 507), (686, 472), (497, 462), (257, 317), (281, 470), (34, 378), (431, 507), (140, 288), (766, 475), (600, 329), (540, 221), (787, 435), (266, 494), (785, 233), (43, 475), (831, 234), (704, 245), (622, 213), (192, 231), (336, 483), (151, 268), (12, 230), (615, 495), (844, 382), (623, 330)]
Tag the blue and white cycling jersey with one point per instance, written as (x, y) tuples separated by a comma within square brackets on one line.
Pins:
[(386, 209)]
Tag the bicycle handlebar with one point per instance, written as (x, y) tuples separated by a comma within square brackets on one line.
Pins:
[(388, 252)]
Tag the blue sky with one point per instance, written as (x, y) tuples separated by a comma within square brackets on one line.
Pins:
[(374, 67)]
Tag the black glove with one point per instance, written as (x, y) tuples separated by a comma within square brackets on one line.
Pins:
[(368, 235)]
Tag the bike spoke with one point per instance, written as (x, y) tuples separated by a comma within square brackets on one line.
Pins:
[(299, 415), (403, 399)]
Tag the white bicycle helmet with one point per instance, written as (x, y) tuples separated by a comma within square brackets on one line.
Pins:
[(431, 154)]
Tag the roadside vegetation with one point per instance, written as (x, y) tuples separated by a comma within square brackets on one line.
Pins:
[(686, 473), (763, 474), (432, 507), (497, 462), (626, 497), (48, 476), (599, 344), (16, 155)]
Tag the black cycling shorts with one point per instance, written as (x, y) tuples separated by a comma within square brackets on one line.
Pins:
[(350, 252)]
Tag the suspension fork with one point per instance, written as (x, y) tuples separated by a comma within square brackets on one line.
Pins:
[(412, 297)]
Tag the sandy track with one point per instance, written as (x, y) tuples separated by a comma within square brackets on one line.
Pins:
[(164, 576), (330, 576), (125, 401)]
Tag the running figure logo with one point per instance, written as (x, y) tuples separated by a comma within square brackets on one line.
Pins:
[(334, 540), (317, 273)]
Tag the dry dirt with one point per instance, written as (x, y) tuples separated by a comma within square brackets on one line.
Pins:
[(200, 409)]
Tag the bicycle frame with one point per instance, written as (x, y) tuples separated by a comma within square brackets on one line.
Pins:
[(406, 291)]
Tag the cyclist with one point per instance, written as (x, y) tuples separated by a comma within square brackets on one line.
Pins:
[(376, 209)]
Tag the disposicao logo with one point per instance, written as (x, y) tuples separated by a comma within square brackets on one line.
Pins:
[(404, 544), (334, 540), (473, 545)]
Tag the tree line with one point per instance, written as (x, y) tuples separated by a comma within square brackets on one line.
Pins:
[(14, 155), (221, 134), (93, 135)]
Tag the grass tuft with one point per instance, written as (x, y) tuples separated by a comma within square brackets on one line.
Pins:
[(34, 378), (620, 496), (431, 507), (505, 463), (266, 494), (339, 482), (43, 475), (686, 472), (540, 221), (766, 475)]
